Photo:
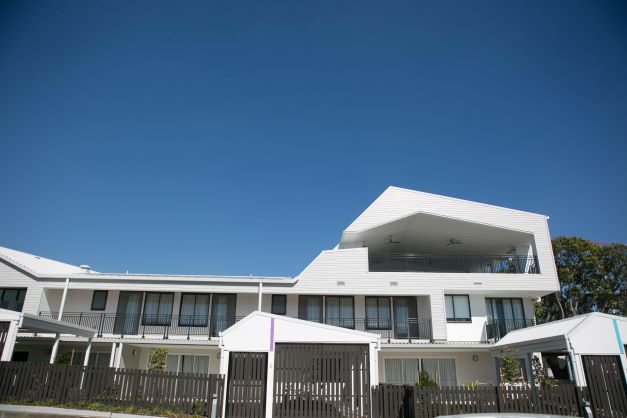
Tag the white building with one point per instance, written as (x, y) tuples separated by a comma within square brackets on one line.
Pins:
[(427, 282)]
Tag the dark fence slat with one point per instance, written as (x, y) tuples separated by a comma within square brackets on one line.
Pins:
[(65, 383)]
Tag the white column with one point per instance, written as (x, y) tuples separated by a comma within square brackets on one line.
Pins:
[(224, 370), (118, 358), (9, 344), (87, 353), (65, 289), (438, 316), (269, 384), (373, 352), (55, 348), (259, 295), (112, 358)]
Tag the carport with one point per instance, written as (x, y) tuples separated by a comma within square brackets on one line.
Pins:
[(11, 323), (586, 349), (271, 360)]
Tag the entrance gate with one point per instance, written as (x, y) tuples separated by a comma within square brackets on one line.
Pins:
[(246, 388), (321, 380), (606, 386)]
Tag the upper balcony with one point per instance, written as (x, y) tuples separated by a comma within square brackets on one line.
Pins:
[(424, 243), (423, 263)]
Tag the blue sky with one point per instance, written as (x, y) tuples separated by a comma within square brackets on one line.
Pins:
[(243, 137)]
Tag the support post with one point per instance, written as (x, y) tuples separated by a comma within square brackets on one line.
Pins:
[(55, 348), (9, 344), (259, 296), (65, 289), (87, 353), (112, 357), (118, 358)]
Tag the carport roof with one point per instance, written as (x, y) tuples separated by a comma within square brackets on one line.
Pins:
[(33, 323)]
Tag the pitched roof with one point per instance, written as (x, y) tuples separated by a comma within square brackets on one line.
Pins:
[(556, 329), (36, 265)]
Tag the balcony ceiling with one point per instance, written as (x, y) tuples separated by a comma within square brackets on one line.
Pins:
[(429, 234)]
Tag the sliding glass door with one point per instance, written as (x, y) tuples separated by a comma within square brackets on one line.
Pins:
[(504, 315), (127, 316), (222, 312), (405, 317)]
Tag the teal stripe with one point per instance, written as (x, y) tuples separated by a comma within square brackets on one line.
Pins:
[(621, 348)]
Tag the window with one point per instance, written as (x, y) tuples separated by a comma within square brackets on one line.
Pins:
[(407, 370), (378, 312), (158, 308), (504, 315), (187, 364), (457, 308), (194, 310), (12, 299), (340, 311), (279, 304), (99, 300), (222, 312), (310, 308)]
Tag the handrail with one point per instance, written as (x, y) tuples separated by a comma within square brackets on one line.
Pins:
[(425, 263), (201, 325), (498, 328)]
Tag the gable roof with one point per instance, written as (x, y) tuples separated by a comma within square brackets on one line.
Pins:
[(552, 330), (36, 265), (397, 203)]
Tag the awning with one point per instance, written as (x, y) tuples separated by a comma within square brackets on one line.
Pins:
[(33, 323)]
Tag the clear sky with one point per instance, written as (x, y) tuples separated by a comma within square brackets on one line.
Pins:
[(242, 137)]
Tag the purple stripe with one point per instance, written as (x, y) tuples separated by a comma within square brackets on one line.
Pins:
[(271, 334)]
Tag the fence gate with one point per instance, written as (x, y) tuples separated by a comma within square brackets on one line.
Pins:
[(246, 389), (321, 380), (606, 386)]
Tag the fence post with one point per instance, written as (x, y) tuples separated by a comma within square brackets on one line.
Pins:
[(499, 405)]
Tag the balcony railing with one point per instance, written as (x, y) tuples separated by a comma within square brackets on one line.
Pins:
[(498, 328), (409, 329), (143, 325), (420, 263)]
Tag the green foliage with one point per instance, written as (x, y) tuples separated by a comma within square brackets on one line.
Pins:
[(539, 376), (63, 358), (97, 406), (157, 359), (477, 383), (510, 366), (593, 278), (196, 407), (425, 380)]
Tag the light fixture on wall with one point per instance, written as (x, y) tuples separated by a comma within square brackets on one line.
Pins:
[(475, 357)]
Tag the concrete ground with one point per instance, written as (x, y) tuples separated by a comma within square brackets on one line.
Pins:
[(27, 411)]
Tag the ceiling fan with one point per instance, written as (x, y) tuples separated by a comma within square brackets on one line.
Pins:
[(391, 241), (453, 241)]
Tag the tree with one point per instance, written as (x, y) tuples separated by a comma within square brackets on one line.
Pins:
[(592, 279), (157, 359), (510, 370)]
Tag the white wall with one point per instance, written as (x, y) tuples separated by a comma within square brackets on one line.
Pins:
[(10, 277), (468, 370)]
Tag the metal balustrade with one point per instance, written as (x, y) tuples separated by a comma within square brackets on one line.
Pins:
[(498, 328), (421, 263), (206, 326)]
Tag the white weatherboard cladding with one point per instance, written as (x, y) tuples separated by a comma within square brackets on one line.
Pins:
[(351, 267), (10, 277), (396, 203), (596, 335)]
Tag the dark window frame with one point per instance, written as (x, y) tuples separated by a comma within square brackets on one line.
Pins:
[(158, 321), (218, 324), (522, 305), (340, 297), (16, 302), (93, 298), (194, 319), (283, 304), (389, 320), (456, 320), (300, 305)]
